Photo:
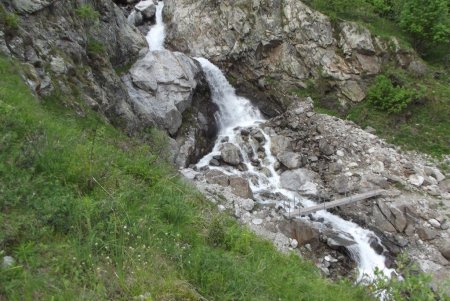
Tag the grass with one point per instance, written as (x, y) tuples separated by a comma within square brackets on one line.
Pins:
[(91, 214)]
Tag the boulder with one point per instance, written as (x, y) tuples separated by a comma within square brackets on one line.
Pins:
[(355, 37), (381, 222), (326, 148), (400, 221), (290, 159), (30, 6), (245, 204), (444, 248), (426, 233), (444, 186), (280, 144), (241, 187), (214, 176), (231, 154), (162, 86), (294, 179), (303, 232), (135, 18), (146, 8), (434, 172), (337, 241), (341, 184), (352, 90), (416, 180)]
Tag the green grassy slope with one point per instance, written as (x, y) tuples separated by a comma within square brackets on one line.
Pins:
[(90, 214)]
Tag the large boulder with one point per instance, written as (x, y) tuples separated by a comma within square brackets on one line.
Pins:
[(231, 154), (290, 159), (303, 232), (280, 144), (162, 85), (241, 187), (146, 8), (295, 179)]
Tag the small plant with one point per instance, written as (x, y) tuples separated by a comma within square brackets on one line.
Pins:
[(216, 232), (9, 20), (384, 96), (95, 47), (87, 13)]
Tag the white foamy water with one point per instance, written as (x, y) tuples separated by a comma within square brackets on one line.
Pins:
[(237, 113), (155, 37)]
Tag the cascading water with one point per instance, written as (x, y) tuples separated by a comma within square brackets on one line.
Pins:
[(236, 113), (156, 35)]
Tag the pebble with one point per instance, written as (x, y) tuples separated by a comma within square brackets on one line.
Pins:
[(293, 243), (339, 153), (257, 221), (330, 258)]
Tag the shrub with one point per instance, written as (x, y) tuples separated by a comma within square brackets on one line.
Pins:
[(384, 96), (95, 47), (87, 13), (9, 20)]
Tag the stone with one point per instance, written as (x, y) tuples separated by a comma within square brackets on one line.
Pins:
[(355, 37), (290, 160), (303, 232), (7, 262), (338, 242), (445, 225), (245, 204), (241, 187), (3, 47), (330, 258), (426, 233), (444, 186), (400, 221), (434, 172), (214, 162), (377, 167), (444, 248), (147, 8), (214, 176), (352, 91), (162, 86), (294, 179), (280, 144), (326, 148), (341, 184), (416, 180), (381, 222), (293, 243), (257, 221), (340, 153), (31, 6), (418, 68), (433, 222), (58, 66), (231, 154), (135, 18)]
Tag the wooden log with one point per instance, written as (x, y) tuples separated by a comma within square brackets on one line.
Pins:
[(344, 201)]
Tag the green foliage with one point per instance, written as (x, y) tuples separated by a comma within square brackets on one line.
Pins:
[(10, 21), (384, 96), (427, 21), (87, 13), (91, 214), (414, 285), (95, 47)]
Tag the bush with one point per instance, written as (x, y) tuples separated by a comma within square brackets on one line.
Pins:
[(87, 13), (9, 20), (384, 96)]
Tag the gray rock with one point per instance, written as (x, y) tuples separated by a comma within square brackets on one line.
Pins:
[(341, 184), (147, 8), (280, 144), (426, 233), (3, 48), (303, 232), (444, 248), (434, 172), (377, 167), (416, 180), (30, 6), (355, 37), (336, 242), (326, 148), (433, 222), (135, 18), (162, 87), (7, 262), (352, 90), (290, 160), (245, 204), (214, 176), (400, 221), (381, 222), (231, 154), (444, 186), (241, 187), (294, 179)]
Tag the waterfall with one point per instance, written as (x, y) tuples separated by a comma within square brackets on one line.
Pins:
[(157, 34), (236, 113)]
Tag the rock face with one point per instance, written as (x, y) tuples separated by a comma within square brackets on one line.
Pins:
[(52, 34), (274, 46), (162, 85)]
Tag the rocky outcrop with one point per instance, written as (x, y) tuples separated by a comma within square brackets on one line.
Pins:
[(272, 47), (66, 53)]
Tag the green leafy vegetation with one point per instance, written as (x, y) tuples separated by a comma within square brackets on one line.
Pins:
[(383, 95), (95, 47), (8, 20), (91, 214), (87, 13)]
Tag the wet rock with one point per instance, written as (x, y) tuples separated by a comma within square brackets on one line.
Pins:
[(214, 162), (146, 8), (135, 18), (375, 244), (214, 176), (337, 242), (231, 154), (290, 160), (241, 187), (426, 233)]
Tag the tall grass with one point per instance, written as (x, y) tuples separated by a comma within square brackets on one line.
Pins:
[(90, 214)]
